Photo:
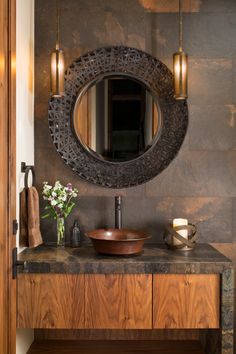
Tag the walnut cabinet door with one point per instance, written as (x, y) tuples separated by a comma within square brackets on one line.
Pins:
[(50, 301), (186, 301), (121, 301)]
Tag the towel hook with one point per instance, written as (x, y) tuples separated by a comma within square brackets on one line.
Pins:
[(26, 169)]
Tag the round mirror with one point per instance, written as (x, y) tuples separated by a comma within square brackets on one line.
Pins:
[(117, 118), (119, 124)]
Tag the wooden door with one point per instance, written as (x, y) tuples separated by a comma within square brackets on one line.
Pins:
[(82, 121), (186, 301), (118, 301), (50, 301), (7, 176)]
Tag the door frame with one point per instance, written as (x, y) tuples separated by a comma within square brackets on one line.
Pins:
[(7, 174)]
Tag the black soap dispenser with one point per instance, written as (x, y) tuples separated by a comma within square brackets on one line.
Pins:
[(75, 240)]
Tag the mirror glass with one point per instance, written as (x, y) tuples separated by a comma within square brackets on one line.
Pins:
[(117, 118)]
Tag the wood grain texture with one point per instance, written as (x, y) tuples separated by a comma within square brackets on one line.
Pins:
[(82, 119), (115, 347), (4, 211), (12, 171), (7, 176), (118, 301), (186, 301), (155, 119), (50, 301)]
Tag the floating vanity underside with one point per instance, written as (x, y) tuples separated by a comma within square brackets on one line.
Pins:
[(160, 289)]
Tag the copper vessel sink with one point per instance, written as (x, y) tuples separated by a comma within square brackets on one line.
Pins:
[(119, 242)]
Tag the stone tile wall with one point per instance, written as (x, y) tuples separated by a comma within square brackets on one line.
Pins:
[(200, 184)]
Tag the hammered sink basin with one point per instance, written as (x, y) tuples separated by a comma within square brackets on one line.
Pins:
[(118, 242)]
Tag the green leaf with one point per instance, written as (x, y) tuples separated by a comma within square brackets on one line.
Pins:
[(69, 208)]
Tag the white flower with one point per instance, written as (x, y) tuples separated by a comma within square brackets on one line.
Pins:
[(59, 197), (58, 185)]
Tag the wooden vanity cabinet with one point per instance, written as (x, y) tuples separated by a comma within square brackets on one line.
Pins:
[(186, 301), (62, 300), (50, 300), (118, 301)]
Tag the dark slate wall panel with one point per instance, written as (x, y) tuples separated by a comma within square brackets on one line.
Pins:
[(200, 184)]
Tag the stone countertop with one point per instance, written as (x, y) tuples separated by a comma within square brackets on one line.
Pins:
[(156, 258)]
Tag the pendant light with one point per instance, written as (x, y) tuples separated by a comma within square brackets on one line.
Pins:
[(180, 64), (57, 64)]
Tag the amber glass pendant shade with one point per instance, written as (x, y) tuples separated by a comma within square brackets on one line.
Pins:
[(57, 63), (180, 70), (180, 64), (57, 73)]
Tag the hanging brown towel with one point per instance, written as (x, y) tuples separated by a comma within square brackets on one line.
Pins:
[(23, 219), (30, 221), (34, 234)]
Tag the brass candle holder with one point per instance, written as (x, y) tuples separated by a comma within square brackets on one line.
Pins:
[(171, 235)]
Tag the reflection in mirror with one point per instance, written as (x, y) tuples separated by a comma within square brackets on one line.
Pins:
[(117, 118)]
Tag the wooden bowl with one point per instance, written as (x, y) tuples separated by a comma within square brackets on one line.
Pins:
[(123, 242)]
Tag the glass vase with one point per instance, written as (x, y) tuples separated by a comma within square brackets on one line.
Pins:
[(61, 232)]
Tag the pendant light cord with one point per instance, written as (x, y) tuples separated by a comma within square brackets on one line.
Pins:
[(58, 26), (180, 26)]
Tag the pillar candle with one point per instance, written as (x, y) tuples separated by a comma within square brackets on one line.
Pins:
[(183, 233)]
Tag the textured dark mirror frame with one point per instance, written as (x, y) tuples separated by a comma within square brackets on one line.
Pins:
[(158, 79)]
